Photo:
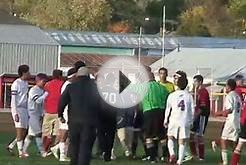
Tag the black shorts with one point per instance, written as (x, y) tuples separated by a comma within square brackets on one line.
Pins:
[(242, 133), (199, 125), (153, 124)]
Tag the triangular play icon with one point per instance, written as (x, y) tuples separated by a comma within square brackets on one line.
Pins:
[(123, 81)]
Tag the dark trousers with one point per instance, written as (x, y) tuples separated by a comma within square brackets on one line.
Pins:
[(82, 138), (136, 136), (106, 136)]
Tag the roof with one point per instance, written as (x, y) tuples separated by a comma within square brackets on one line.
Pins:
[(117, 40), (93, 60), (209, 42), (24, 34), (6, 18), (215, 63)]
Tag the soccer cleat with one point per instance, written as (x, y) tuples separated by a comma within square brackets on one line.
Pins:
[(64, 159), (10, 150), (54, 151), (214, 146), (23, 156), (146, 158), (44, 154), (172, 159), (127, 153), (187, 158)]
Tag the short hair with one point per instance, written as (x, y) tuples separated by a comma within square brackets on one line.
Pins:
[(148, 69), (231, 83), (79, 64), (239, 77), (41, 76), (23, 69), (57, 74), (164, 69), (182, 83), (181, 74), (198, 77), (71, 71)]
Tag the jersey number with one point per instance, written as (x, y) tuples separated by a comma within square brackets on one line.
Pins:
[(181, 105)]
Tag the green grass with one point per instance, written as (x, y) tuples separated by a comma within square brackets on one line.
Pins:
[(5, 159)]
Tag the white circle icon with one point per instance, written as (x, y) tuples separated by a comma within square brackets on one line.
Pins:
[(122, 82)]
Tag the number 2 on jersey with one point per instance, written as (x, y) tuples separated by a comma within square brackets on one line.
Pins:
[(181, 105)]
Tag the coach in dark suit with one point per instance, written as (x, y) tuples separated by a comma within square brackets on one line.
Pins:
[(82, 99)]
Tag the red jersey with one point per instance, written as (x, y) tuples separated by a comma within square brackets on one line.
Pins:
[(53, 88), (241, 91), (203, 101)]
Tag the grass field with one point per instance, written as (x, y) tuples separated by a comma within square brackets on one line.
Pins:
[(7, 133)]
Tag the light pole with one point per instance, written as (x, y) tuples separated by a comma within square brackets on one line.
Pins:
[(140, 40), (163, 35)]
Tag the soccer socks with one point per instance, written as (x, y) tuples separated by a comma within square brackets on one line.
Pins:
[(224, 157), (201, 150), (47, 143), (181, 153), (39, 144), (235, 157), (27, 142), (13, 143), (193, 147), (170, 145), (20, 147), (62, 148)]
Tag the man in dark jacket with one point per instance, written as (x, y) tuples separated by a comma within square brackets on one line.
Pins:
[(82, 99)]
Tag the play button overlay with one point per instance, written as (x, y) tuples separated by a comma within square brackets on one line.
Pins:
[(122, 82)]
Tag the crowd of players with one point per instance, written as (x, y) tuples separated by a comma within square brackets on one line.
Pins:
[(66, 117)]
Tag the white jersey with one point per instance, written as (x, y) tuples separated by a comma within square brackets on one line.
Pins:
[(36, 99), (234, 104), (65, 113), (19, 94), (179, 109)]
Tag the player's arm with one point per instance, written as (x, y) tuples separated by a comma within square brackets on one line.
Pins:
[(228, 107), (14, 93), (167, 111), (38, 99), (63, 102)]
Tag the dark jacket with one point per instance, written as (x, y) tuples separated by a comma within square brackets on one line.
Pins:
[(82, 99)]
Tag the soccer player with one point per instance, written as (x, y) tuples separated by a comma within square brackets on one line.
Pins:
[(36, 97), (202, 112), (19, 91), (50, 121), (154, 104), (63, 127), (163, 73), (232, 111), (179, 116)]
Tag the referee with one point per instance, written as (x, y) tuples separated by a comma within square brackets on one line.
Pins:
[(82, 99)]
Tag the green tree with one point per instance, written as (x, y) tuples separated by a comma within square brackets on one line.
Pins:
[(66, 14)]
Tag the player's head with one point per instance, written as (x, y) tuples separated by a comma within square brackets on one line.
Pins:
[(179, 74), (57, 74), (23, 72), (163, 73), (78, 64), (71, 74), (239, 80), (230, 85), (182, 83), (41, 79), (197, 80)]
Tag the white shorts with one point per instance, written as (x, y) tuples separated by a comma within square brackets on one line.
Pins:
[(35, 125), (229, 132), (178, 132), (20, 118)]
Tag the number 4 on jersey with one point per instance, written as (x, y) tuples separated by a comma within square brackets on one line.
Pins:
[(181, 105)]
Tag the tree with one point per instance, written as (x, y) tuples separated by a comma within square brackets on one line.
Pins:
[(66, 14)]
